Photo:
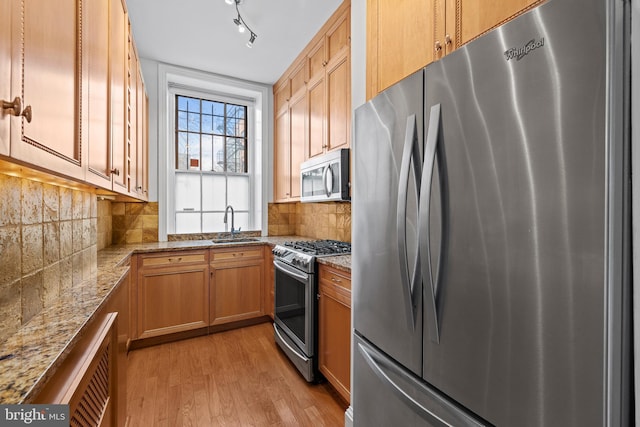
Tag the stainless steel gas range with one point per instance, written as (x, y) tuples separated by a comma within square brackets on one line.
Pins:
[(296, 290)]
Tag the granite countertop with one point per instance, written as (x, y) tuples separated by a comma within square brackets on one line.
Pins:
[(31, 356)]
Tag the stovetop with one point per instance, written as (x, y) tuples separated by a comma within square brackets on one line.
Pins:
[(302, 254), (320, 247)]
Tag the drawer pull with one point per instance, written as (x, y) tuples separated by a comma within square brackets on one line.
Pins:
[(333, 279), (175, 259), (238, 254)]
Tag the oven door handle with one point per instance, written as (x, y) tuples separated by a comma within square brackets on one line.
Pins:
[(284, 341), (290, 270)]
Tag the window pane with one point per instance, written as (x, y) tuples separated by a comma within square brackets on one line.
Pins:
[(213, 192), (236, 155), (207, 152), (218, 108), (187, 222), (194, 122), (207, 124), (207, 107), (187, 192), (193, 105), (238, 192), (182, 103), (241, 220), (212, 222), (218, 125), (218, 153), (194, 151), (231, 127), (182, 121), (181, 151), (240, 127)]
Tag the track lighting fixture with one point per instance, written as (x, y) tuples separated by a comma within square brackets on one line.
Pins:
[(242, 26)]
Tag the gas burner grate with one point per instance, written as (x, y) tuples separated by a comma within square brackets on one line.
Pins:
[(321, 247)]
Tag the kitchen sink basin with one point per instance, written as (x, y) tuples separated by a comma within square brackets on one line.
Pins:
[(236, 240)]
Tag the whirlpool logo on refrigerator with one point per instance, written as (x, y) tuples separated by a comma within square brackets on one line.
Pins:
[(518, 53)]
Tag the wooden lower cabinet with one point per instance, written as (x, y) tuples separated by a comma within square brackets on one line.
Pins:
[(334, 328), (237, 284), (269, 282), (92, 379), (172, 292)]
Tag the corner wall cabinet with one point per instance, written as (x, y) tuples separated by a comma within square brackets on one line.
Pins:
[(404, 37), (312, 103), (69, 105)]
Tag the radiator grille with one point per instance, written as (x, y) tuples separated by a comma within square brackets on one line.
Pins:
[(95, 398)]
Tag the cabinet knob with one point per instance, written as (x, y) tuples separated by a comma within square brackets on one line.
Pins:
[(27, 113), (12, 108), (115, 171), (438, 46), (447, 39)]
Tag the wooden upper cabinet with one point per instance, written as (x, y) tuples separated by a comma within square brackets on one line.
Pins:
[(118, 46), (281, 157), (403, 37), (5, 74), (96, 53), (338, 37), (45, 74), (298, 116), (317, 58), (338, 103)]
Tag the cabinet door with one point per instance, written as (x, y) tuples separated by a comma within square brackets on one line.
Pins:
[(298, 116), (338, 102), (141, 142), (269, 278), (334, 330), (236, 291), (46, 74), (172, 300), (317, 116), (475, 18), (96, 53), (400, 39), (5, 73), (282, 161), (117, 94)]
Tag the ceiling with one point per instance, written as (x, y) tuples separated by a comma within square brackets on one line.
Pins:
[(200, 34)]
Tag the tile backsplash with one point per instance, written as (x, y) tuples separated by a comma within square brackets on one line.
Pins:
[(48, 243), (329, 220), (134, 222)]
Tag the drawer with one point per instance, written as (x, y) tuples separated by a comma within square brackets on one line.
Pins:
[(173, 259), (336, 277), (237, 254)]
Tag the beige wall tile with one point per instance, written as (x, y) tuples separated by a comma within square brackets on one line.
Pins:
[(150, 208), (76, 268), (32, 292), (10, 255), (86, 233), (32, 248), (150, 221), (133, 236), (117, 208), (66, 279), (51, 203), (31, 202), (51, 243), (51, 283), (76, 227), (66, 238), (149, 235), (66, 204), (11, 308), (77, 204), (10, 189)]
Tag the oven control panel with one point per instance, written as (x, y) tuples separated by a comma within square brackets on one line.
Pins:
[(294, 258)]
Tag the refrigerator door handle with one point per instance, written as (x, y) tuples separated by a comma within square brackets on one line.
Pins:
[(410, 152), (447, 414), (430, 308)]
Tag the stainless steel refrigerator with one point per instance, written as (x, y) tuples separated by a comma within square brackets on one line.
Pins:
[(490, 257)]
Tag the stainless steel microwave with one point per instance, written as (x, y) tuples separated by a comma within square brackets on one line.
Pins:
[(325, 178)]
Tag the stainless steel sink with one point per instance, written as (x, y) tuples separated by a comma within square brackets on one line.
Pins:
[(236, 240)]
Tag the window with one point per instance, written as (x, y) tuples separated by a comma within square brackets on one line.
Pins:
[(211, 164)]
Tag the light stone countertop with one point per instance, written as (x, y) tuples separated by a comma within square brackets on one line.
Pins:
[(31, 356)]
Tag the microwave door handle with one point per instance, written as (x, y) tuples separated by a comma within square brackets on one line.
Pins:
[(328, 186)]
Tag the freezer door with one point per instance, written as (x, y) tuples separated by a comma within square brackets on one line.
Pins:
[(519, 124), (392, 396), (387, 161)]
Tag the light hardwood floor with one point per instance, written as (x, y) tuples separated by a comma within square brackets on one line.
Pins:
[(233, 378)]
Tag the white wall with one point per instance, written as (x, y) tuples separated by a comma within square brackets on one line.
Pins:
[(150, 76)]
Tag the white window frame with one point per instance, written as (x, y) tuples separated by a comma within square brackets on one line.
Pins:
[(174, 80)]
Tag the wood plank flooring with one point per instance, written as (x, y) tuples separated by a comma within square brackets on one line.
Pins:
[(233, 378)]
